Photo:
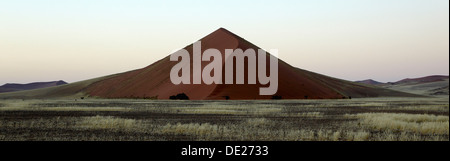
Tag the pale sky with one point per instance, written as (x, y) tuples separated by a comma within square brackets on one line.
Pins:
[(74, 40)]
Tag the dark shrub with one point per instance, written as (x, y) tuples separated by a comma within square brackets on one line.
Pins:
[(181, 96)]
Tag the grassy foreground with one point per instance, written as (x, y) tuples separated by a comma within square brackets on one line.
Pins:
[(374, 119)]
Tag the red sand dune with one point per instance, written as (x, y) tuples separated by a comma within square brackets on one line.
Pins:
[(294, 83)]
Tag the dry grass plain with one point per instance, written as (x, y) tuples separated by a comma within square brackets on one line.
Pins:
[(371, 119)]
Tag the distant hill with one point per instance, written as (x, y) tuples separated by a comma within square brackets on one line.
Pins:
[(427, 79), (429, 85), (369, 81), (13, 87)]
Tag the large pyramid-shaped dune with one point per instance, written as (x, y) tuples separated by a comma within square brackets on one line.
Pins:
[(154, 81), (294, 83)]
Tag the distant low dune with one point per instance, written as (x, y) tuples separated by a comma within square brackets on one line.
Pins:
[(433, 86), (369, 81), (13, 87)]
